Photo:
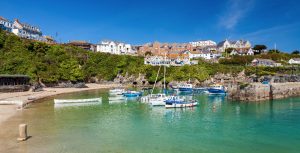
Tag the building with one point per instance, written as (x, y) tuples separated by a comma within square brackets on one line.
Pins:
[(5, 24), (294, 61), (203, 43), (172, 58), (242, 52), (158, 48), (240, 45), (205, 54), (114, 47), (14, 83), (27, 31), (83, 44), (264, 62)]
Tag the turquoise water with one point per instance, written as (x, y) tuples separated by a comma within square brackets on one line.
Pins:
[(216, 125)]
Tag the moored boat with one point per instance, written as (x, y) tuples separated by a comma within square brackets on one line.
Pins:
[(132, 94), (185, 87), (182, 104), (216, 89), (59, 101), (117, 91)]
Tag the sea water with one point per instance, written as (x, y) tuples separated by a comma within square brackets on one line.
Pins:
[(216, 125)]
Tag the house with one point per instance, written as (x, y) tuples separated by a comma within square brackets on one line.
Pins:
[(172, 58), (114, 47), (264, 62), (205, 54), (242, 52), (27, 31), (241, 45), (203, 43), (294, 61), (82, 44), (5, 24)]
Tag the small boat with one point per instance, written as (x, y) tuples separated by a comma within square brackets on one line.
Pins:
[(216, 89), (155, 99), (181, 104), (59, 101), (117, 91), (185, 87), (173, 99), (132, 94)]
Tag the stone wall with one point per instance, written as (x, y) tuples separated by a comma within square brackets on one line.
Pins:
[(262, 92)]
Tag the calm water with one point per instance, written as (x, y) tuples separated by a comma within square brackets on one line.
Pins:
[(133, 127)]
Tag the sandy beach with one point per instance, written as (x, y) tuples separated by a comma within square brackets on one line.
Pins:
[(6, 111)]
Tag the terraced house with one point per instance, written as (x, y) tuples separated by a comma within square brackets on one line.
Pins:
[(27, 31), (238, 45), (5, 24), (114, 47)]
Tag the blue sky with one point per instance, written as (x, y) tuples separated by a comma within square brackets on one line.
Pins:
[(137, 22)]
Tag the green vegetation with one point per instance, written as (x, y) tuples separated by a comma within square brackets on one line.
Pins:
[(54, 63)]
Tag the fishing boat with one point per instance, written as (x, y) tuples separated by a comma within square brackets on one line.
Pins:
[(116, 91), (186, 87), (132, 93), (216, 89), (59, 101)]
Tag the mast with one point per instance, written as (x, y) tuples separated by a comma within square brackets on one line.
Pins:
[(165, 72), (155, 80)]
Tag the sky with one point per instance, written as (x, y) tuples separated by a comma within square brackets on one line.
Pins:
[(137, 22)]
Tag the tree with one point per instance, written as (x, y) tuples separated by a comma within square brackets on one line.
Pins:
[(296, 52), (274, 51), (259, 48)]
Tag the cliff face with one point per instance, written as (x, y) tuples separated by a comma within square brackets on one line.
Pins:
[(261, 92)]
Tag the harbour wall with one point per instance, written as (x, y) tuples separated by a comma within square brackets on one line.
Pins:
[(254, 92)]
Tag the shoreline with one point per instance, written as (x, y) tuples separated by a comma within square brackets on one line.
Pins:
[(28, 97)]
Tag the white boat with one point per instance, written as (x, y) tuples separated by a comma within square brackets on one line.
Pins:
[(59, 101), (155, 99), (182, 104), (117, 91), (186, 87)]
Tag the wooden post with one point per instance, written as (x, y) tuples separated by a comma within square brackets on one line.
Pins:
[(22, 132)]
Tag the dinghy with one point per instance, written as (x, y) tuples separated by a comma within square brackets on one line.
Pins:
[(60, 101)]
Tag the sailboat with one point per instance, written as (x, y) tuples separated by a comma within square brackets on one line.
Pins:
[(157, 99)]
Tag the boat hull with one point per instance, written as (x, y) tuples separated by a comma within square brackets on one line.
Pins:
[(216, 91), (60, 101), (181, 105)]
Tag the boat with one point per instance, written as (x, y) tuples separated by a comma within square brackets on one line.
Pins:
[(117, 91), (216, 89), (155, 99), (180, 103), (60, 101), (185, 87), (132, 94), (160, 98)]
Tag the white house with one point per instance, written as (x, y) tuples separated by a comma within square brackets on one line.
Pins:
[(294, 61), (205, 54), (241, 52), (113, 47), (203, 43), (239, 45), (5, 24), (27, 31)]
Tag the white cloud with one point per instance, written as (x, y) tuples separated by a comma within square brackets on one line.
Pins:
[(234, 12)]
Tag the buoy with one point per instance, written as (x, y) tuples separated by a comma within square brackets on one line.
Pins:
[(22, 132)]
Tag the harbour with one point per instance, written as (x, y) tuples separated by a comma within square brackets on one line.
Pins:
[(133, 126)]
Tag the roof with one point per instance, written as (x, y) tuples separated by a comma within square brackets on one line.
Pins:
[(79, 42), (2, 18), (296, 59), (13, 76), (266, 60)]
